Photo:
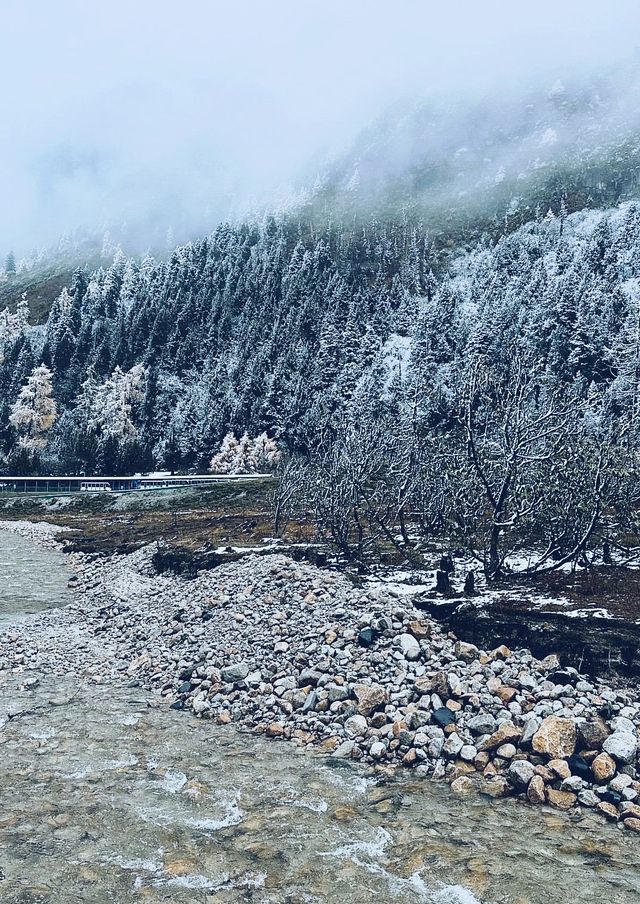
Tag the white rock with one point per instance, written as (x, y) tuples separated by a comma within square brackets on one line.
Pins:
[(356, 726), (410, 647)]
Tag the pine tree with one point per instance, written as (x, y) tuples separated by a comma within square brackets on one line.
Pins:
[(34, 412), (223, 461)]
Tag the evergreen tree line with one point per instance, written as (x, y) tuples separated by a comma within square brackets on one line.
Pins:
[(496, 397)]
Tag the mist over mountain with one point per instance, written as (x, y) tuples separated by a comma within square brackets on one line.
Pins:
[(142, 119), (459, 167), (372, 309)]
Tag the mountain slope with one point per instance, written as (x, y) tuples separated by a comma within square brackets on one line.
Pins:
[(464, 167)]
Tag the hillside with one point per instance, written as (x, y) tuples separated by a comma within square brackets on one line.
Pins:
[(275, 327), (462, 167)]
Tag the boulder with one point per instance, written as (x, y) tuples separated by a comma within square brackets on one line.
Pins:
[(496, 787), (453, 745), (520, 773), (410, 647), (356, 726), (370, 697), (463, 785), (580, 767), (536, 790), (344, 750), (622, 745), (483, 723), (367, 637), (560, 768), (419, 629), (238, 671), (588, 798), (444, 716), (556, 737), (468, 753), (506, 733), (608, 810), (466, 651), (563, 800), (592, 734)]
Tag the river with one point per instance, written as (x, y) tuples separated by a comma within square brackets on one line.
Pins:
[(108, 796)]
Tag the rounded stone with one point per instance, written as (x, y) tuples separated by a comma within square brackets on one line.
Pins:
[(622, 745), (520, 773), (356, 726), (410, 647), (563, 800), (536, 790), (603, 768)]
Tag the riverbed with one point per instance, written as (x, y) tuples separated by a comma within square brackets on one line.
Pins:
[(111, 796)]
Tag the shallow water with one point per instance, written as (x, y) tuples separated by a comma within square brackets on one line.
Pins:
[(109, 798), (31, 577)]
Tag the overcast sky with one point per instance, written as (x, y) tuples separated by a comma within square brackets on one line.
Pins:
[(115, 110)]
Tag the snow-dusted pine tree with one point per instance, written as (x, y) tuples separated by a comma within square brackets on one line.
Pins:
[(241, 463), (222, 461), (246, 455), (34, 412), (265, 454)]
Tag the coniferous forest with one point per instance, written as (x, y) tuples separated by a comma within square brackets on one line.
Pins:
[(495, 388)]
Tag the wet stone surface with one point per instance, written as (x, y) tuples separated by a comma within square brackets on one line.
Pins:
[(109, 797)]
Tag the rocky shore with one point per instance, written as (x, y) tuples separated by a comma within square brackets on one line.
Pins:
[(298, 653)]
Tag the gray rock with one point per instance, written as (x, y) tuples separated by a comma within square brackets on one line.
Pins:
[(520, 774), (622, 724), (482, 724), (356, 726), (238, 671), (619, 782), (453, 745), (337, 692), (588, 798), (622, 746), (573, 783), (310, 702), (528, 731), (344, 750)]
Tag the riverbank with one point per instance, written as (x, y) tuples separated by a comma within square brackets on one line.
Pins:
[(294, 652)]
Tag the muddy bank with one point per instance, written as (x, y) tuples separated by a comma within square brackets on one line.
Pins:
[(593, 644)]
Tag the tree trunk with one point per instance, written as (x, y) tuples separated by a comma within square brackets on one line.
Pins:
[(470, 584)]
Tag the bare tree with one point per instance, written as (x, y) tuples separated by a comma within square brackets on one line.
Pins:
[(513, 430)]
